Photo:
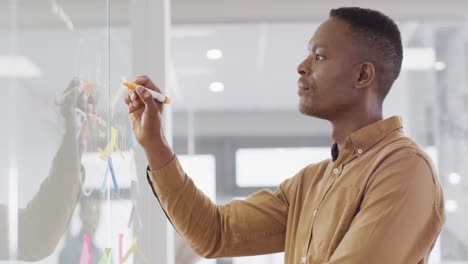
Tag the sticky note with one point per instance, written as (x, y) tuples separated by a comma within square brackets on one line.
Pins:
[(110, 168), (142, 255), (86, 252), (120, 248), (102, 134), (132, 213), (112, 145), (100, 120), (104, 182), (112, 171), (106, 257), (128, 253)]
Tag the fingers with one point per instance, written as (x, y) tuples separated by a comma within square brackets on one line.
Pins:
[(144, 95), (133, 102), (146, 82), (147, 99), (140, 97), (127, 98)]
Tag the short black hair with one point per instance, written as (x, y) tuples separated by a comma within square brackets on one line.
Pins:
[(380, 35)]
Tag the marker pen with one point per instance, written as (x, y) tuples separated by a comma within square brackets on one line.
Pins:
[(158, 96)]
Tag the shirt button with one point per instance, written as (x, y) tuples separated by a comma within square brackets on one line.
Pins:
[(336, 171), (315, 212), (303, 260), (359, 151)]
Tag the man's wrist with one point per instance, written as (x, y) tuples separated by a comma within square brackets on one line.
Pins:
[(159, 155)]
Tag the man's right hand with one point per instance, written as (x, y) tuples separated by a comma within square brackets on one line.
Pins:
[(146, 118)]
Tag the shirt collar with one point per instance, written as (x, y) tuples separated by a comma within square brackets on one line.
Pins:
[(364, 138)]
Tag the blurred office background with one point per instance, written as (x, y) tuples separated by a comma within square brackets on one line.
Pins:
[(230, 69)]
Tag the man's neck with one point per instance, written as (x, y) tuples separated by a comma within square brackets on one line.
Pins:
[(347, 124)]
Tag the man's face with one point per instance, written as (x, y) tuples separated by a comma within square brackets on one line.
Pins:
[(325, 86)]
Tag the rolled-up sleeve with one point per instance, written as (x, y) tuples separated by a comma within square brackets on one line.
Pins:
[(400, 217), (42, 223), (256, 225)]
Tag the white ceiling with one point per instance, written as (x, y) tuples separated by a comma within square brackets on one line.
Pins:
[(280, 10), (36, 13)]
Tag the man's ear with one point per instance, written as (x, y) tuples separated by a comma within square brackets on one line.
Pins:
[(364, 74)]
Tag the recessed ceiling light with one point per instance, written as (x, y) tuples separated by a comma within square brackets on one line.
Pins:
[(439, 66), (454, 178), (217, 87), (18, 67), (214, 54), (451, 205)]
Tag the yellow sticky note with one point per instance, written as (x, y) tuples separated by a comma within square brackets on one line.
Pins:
[(112, 145), (129, 251), (132, 249), (102, 134), (105, 258), (100, 121)]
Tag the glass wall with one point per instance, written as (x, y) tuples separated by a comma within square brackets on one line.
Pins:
[(71, 190)]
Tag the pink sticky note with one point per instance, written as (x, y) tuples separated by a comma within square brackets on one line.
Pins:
[(120, 248), (86, 252)]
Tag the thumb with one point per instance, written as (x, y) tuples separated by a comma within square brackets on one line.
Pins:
[(147, 99)]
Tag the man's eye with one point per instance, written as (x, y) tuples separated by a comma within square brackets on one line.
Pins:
[(319, 57)]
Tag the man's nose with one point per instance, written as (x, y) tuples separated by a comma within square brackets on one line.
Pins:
[(304, 68)]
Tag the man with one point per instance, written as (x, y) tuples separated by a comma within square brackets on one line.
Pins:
[(377, 200)]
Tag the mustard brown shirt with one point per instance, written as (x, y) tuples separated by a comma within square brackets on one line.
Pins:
[(378, 202)]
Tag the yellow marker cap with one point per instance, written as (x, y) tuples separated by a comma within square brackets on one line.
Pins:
[(130, 85)]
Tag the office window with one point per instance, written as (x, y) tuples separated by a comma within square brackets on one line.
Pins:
[(271, 166)]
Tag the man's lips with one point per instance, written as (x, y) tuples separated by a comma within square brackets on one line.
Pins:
[(302, 85), (302, 88)]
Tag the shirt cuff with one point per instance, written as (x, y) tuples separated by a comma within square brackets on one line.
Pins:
[(168, 179)]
